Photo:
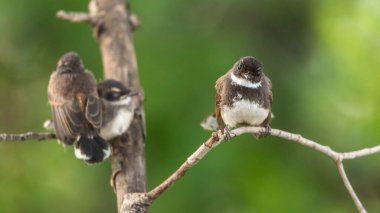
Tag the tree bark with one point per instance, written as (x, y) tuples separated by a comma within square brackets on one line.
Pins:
[(113, 30)]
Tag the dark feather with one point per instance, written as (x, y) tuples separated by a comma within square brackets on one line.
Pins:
[(219, 88), (68, 122), (92, 149), (94, 111)]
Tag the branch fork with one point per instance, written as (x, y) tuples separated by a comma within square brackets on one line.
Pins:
[(139, 202), (146, 199)]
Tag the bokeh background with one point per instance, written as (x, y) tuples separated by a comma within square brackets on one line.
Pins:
[(323, 58)]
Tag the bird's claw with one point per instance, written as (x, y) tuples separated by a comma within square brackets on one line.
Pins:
[(227, 134), (267, 131)]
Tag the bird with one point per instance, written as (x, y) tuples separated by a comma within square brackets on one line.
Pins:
[(243, 97), (118, 108), (76, 109)]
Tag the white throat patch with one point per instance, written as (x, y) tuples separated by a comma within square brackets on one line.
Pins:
[(122, 102), (244, 82)]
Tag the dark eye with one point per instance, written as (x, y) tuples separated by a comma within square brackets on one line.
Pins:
[(258, 73), (112, 96), (240, 66)]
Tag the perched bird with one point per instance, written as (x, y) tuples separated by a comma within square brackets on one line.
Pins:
[(243, 97), (77, 109), (118, 108)]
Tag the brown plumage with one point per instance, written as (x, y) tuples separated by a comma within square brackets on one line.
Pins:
[(243, 96), (76, 108)]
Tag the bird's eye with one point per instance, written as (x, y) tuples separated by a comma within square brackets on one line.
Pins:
[(240, 66), (112, 96), (258, 73)]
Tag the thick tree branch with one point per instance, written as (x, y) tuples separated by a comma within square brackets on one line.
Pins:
[(112, 26), (29, 136)]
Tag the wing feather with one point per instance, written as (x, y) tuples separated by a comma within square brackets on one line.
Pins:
[(270, 90), (218, 99), (94, 111), (68, 121)]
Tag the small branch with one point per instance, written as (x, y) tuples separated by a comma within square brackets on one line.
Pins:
[(349, 188), (218, 137), (292, 137), (190, 162), (29, 136), (134, 21), (361, 153), (140, 201), (75, 17)]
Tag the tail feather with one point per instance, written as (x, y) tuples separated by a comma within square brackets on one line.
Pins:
[(92, 149), (210, 123)]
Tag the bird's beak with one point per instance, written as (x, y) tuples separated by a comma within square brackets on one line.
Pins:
[(131, 94), (134, 94)]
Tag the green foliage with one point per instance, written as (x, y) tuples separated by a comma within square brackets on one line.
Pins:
[(322, 57)]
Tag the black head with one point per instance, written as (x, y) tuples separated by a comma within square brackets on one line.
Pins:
[(112, 90), (70, 63), (248, 68)]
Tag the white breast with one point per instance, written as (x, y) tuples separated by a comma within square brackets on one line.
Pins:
[(118, 125), (244, 111)]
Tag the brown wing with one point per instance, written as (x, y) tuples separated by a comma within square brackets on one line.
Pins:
[(270, 90), (218, 99), (94, 111), (270, 97), (68, 121)]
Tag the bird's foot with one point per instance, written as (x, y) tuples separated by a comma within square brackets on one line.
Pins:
[(264, 133), (227, 133), (268, 131)]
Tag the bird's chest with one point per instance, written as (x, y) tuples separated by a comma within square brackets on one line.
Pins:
[(118, 125), (244, 112)]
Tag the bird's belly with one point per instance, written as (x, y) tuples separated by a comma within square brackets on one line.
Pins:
[(244, 111), (118, 125)]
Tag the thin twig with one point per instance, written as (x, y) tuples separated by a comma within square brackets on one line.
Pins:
[(349, 188), (76, 17), (190, 162), (361, 153), (292, 137), (134, 21), (29, 136)]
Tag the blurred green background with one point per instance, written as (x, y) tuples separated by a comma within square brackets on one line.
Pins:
[(323, 58)]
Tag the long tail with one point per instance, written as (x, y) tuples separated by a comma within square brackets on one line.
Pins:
[(92, 149)]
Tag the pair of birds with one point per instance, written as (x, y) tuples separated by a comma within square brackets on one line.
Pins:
[(88, 114)]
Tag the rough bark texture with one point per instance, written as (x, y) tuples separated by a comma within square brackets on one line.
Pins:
[(113, 31)]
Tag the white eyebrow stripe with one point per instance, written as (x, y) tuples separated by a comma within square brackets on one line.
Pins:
[(244, 83)]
